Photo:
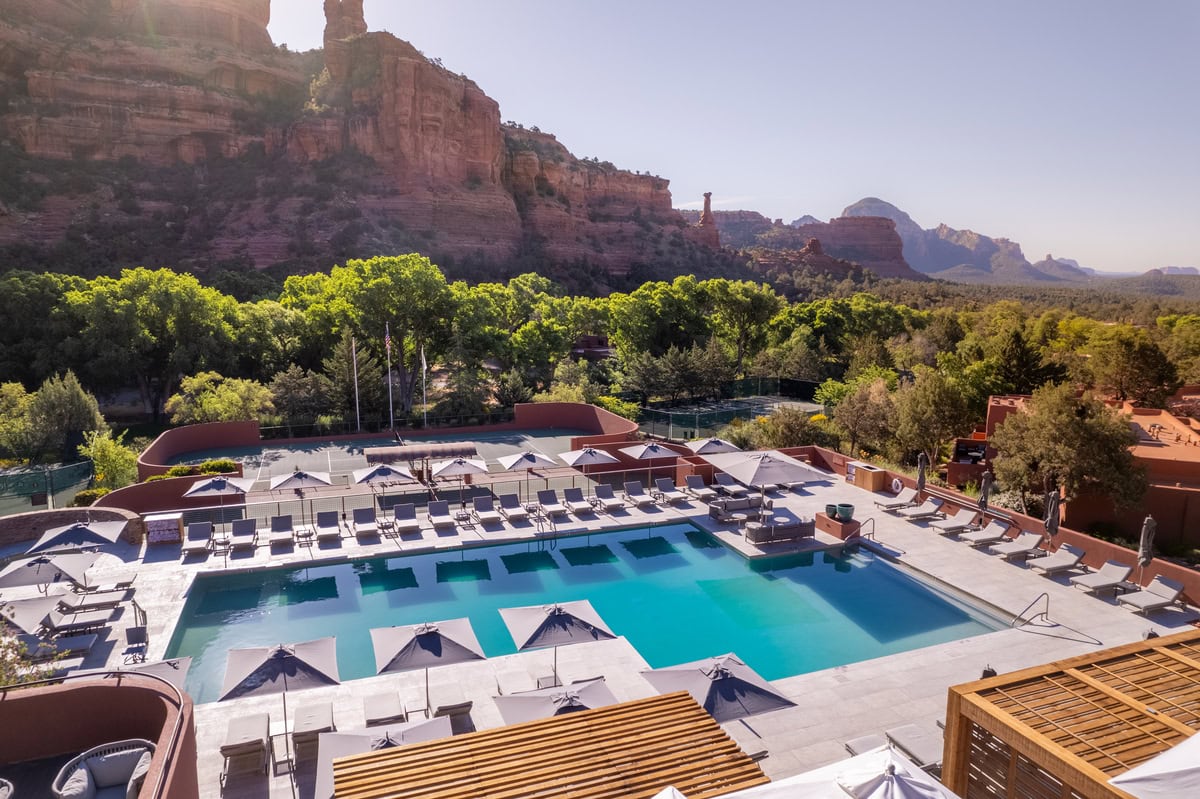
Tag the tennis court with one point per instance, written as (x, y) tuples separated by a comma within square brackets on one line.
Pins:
[(703, 419)]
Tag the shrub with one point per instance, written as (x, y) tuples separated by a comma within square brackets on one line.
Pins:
[(620, 407), (87, 496), (155, 477), (217, 466), (182, 470)]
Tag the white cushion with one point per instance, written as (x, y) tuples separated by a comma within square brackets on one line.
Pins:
[(114, 769), (139, 775), (79, 785)]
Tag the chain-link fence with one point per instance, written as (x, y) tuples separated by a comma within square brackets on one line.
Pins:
[(42, 487), (681, 422), (376, 425)]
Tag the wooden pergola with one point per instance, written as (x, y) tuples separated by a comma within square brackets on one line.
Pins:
[(633, 749), (1064, 729)]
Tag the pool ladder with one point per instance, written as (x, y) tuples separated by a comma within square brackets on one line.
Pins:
[(1044, 614)]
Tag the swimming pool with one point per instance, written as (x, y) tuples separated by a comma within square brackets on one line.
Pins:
[(672, 590)]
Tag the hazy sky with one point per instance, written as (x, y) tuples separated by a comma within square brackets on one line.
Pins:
[(1070, 126)]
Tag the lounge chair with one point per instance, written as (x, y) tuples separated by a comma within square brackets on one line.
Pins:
[(329, 527), (961, 520), (694, 485), (439, 514), (635, 495), (665, 491), (1067, 557), (512, 509), (575, 501), (929, 509), (383, 709), (110, 770), (60, 623), (905, 499), (41, 649), (992, 533), (243, 534), (120, 584), (81, 603), (514, 680), (1111, 575), (404, 518), (308, 723), (1022, 546), (282, 531), (1160, 593), (549, 504), (363, 522), (865, 743), (484, 511), (727, 485), (604, 499), (197, 539), (245, 747), (923, 745)]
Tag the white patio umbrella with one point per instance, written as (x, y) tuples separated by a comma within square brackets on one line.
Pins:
[(460, 468), (300, 479), (556, 701), (763, 469), (588, 456), (711, 446), (27, 615), (896, 776), (524, 462), (384, 475), (78, 535), (332, 745), (46, 569), (1173, 774), (724, 686), (649, 452), (670, 792), (540, 626), (220, 487), (420, 646)]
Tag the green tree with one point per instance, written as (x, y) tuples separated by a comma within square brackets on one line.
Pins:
[(642, 374), (1124, 362), (59, 415), (300, 395), (741, 311), (790, 427), (15, 432), (511, 389), (712, 368), (1077, 443), (31, 306), (269, 338), (16, 666), (536, 347), (209, 397), (930, 412), (658, 316), (113, 461), (339, 370), (866, 414), (1020, 368), (151, 326)]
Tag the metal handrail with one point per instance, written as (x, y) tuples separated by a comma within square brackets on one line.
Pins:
[(172, 742), (1045, 614)]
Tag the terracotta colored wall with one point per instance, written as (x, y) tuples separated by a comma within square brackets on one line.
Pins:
[(160, 495), (156, 457), (30, 526), (1175, 508), (78, 714)]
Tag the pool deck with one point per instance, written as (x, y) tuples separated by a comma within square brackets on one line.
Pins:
[(832, 706)]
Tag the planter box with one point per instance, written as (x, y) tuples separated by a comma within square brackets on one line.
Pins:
[(842, 530)]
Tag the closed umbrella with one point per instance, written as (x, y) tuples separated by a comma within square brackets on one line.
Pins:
[(332, 745), (278, 669), (46, 569), (460, 468), (1146, 544), (711, 446), (1173, 774), (922, 468), (80, 534), (985, 489), (541, 626), (1053, 512), (649, 452), (556, 701), (724, 686), (419, 646), (524, 462)]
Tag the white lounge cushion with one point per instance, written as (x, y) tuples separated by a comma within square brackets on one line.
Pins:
[(80, 785), (114, 769), (139, 775)]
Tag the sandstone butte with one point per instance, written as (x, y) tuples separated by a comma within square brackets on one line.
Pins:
[(183, 84)]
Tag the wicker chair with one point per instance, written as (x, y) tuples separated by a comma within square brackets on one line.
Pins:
[(108, 770)]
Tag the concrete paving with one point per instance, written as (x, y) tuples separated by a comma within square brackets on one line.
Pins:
[(832, 706)]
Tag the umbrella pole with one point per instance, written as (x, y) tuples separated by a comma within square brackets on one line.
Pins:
[(426, 691), (556, 680)]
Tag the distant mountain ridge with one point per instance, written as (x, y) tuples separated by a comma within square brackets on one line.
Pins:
[(967, 256)]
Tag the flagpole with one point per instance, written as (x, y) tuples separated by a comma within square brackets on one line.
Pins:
[(357, 410), (424, 397), (387, 345)]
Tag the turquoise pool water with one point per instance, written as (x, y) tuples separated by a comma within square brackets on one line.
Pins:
[(673, 591)]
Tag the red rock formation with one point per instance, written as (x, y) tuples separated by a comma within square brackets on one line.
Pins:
[(707, 226)]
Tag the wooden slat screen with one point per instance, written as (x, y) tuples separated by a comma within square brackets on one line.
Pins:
[(632, 749)]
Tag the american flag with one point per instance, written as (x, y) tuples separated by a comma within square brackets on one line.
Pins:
[(387, 339)]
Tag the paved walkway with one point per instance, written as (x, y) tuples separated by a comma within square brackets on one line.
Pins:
[(832, 706)]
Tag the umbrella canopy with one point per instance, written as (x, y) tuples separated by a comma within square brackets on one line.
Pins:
[(763, 469), (648, 452), (724, 686), (1174, 773), (1146, 544), (985, 489), (559, 700), (538, 626), (922, 468), (27, 615), (711, 446), (523, 461), (853, 777), (1053, 511), (588, 457), (79, 534), (459, 467), (670, 792), (277, 669), (332, 745), (220, 487), (383, 474), (174, 671), (48, 569), (419, 646), (299, 479), (891, 784)]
